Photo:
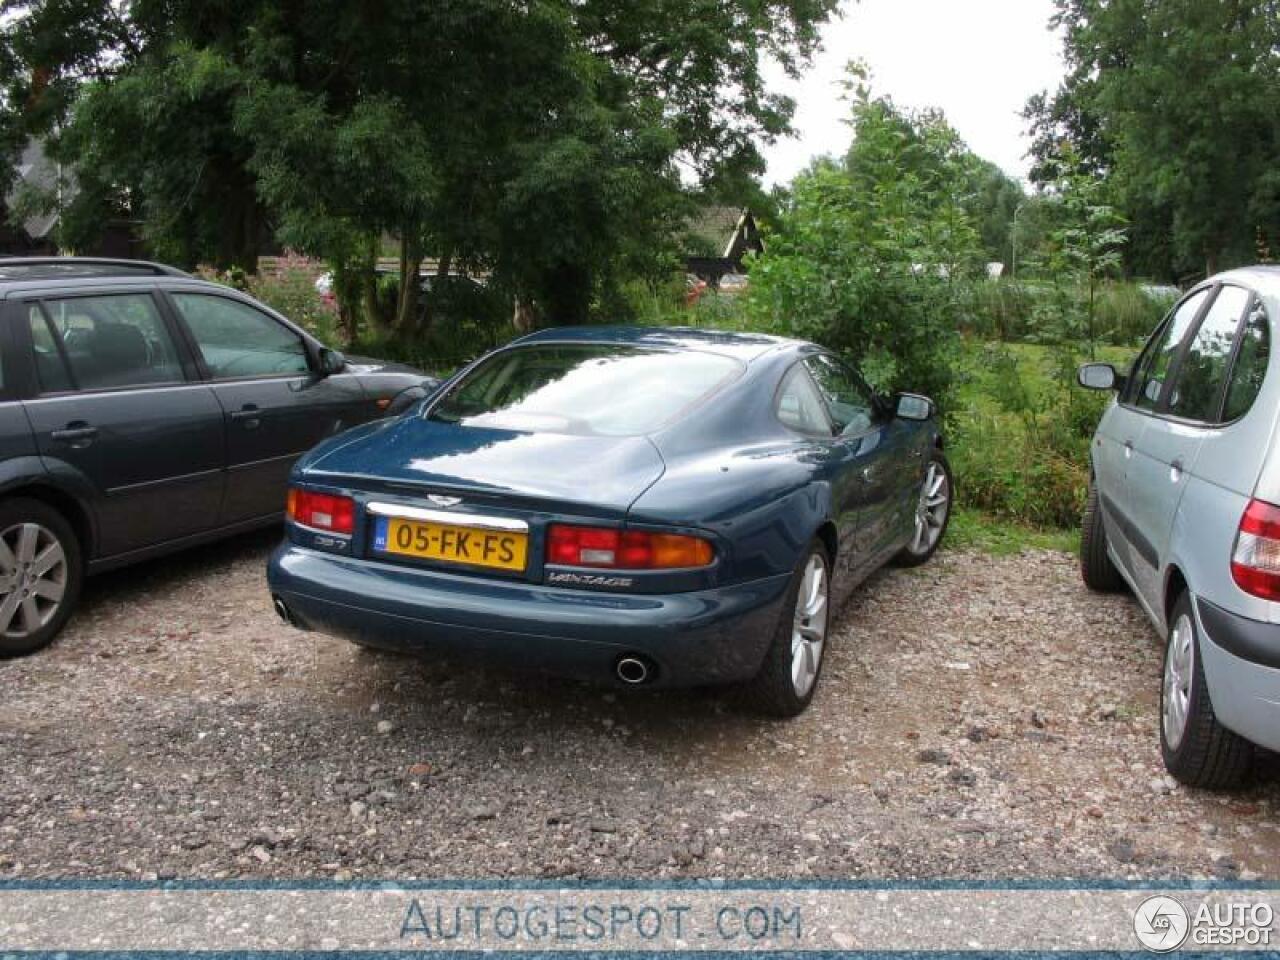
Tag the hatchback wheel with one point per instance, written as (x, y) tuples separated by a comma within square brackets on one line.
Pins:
[(1197, 749), (933, 513), (1096, 568), (789, 676), (40, 575)]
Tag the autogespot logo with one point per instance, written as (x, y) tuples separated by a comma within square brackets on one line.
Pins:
[(1162, 924)]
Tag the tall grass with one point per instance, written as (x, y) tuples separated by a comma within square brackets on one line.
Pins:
[(1007, 310)]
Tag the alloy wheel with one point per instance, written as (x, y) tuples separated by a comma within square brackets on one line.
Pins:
[(809, 629), (931, 509), (1179, 669), (33, 578)]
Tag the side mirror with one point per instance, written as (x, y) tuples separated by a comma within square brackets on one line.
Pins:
[(913, 406), (331, 362), (1097, 376)]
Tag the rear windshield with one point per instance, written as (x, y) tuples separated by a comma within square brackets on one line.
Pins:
[(594, 389)]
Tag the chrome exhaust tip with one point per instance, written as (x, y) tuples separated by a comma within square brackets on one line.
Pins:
[(282, 611), (633, 671)]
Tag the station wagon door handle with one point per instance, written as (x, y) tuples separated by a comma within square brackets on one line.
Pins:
[(1128, 449), (249, 415), (1175, 470), (77, 435)]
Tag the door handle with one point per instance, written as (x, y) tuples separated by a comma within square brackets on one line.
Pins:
[(249, 415), (77, 434), (1175, 470), (868, 475), (1128, 449)]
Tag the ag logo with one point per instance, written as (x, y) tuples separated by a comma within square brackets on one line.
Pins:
[(1162, 924)]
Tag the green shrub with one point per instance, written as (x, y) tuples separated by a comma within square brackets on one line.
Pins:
[(1020, 439), (288, 286)]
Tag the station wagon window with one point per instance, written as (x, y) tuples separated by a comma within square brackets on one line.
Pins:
[(847, 395), (1151, 378), (50, 370), (800, 406), (1251, 365), (237, 341), (106, 342), (1202, 372)]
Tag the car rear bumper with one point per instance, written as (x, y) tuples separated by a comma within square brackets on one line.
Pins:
[(1242, 667), (704, 637)]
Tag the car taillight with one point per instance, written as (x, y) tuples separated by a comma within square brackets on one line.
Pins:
[(1255, 562), (572, 546), (322, 511)]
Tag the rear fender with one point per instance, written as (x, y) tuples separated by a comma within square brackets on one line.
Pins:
[(57, 481)]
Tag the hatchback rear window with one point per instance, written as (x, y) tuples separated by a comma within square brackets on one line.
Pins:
[(592, 389)]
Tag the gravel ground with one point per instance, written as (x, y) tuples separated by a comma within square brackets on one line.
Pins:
[(980, 718)]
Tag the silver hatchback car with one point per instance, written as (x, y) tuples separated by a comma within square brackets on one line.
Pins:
[(1184, 506)]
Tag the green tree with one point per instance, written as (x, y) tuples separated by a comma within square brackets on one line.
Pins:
[(1174, 100), (1083, 250), (553, 143), (869, 253)]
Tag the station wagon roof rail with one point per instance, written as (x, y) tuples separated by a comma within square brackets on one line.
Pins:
[(64, 268)]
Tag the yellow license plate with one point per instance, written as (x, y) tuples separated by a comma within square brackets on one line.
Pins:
[(499, 549)]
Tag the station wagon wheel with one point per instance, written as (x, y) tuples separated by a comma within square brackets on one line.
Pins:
[(792, 665), (39, 575), (932, 515)]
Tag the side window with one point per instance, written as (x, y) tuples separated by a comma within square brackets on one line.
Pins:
[(116, 340), (1142, 363), (238, 341), (1198, 384), (1156, 368), (848, 397), (50, 370), (1251, 365), (799, 405)]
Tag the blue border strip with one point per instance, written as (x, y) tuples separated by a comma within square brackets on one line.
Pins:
[(619, 955), (586, 884)]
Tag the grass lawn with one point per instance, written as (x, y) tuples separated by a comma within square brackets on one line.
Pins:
[(974, 530)]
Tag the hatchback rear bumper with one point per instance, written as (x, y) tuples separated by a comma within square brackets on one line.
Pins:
[(705, 637), (1242, 667)]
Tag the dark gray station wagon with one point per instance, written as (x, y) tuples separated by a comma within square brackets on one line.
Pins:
[(143, 411)]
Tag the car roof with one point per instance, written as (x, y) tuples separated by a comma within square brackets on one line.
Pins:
[(28, 269), (1263, 278), (743, 346)]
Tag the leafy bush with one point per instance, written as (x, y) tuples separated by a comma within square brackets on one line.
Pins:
[(288, 286), (1019, 441)]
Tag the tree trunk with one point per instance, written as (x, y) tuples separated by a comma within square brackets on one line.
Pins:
[(406, 321), (369, 287), (427, 313), (524, 319)]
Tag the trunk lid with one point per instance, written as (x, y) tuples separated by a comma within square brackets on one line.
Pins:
[(556, 473)]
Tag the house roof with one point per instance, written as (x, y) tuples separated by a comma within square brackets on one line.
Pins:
[(719, 227), (35, 172)]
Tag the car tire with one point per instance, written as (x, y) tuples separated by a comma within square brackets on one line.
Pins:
[(1198, 750), (1096, 568), (933, 514), (788, 678), (33, 527)]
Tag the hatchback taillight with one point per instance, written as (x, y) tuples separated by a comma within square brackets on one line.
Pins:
[(574, 546), (1255, 562), (322, 511)]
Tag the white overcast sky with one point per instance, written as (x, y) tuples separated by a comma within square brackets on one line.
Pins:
[(978, 60)]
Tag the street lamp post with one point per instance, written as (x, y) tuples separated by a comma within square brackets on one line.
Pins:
[(1013, 272)]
